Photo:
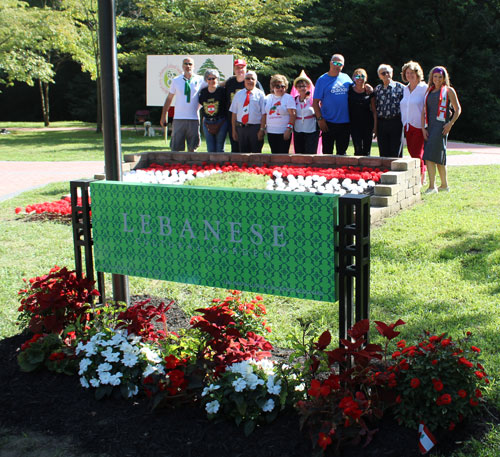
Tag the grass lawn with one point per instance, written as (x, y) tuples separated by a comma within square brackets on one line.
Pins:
[(56, 145), (436, 266)]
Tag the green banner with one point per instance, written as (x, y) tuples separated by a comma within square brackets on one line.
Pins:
[(280, 243)]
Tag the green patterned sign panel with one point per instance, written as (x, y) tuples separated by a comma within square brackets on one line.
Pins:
[(280, 243)]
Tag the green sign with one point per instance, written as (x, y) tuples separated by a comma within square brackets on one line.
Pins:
[(280, 243)]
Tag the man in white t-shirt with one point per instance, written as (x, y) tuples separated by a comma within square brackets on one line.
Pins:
[(186, 124)]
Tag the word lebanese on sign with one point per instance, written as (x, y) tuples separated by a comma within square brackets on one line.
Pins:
[(280, 243)]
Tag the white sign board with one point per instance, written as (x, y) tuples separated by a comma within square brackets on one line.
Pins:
[(161, 70)]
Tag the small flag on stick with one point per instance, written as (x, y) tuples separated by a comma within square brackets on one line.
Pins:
[(426, 439)]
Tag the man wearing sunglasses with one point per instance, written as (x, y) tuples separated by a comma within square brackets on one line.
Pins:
[(186, 124), (331, 106)]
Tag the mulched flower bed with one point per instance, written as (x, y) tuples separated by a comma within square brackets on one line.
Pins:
[(58, 406)]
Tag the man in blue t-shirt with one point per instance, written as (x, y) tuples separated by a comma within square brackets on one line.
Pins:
[(331, 106)]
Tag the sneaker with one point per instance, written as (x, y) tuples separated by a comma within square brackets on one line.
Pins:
[(443, 189), (431, 190)]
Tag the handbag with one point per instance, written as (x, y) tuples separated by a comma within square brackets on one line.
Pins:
[(214, 127)]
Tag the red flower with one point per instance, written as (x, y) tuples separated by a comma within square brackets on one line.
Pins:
[(438, 385), (446, 342), (56, 356), (434, 362), (452, 426), (316, 390), (324, 440), (401, 344), (473, 402), (479, 374), (478, 393), (462, 393), (475, 349), (396, 354), (444, 399), (465, 362), (259, 298), (415, 382), (398, 399), (171, 361)]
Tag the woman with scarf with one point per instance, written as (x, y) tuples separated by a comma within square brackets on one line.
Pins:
[(441, 111), (306, 133)]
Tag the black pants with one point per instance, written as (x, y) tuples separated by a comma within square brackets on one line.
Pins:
[(389, 133), (338, 133), (278, 144), (305, 143), (247, 138), (234, 144), (362, 136)]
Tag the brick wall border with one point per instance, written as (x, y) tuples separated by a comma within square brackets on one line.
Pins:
[(398, 189)]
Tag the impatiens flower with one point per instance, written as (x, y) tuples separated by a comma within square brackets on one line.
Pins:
[(151, 355), (465, 362), (324, 440), (475, 349), (210, 388), (462, 393), (84, 382), (268, 406), (104, 367), (473, 402), (104, 377), (444, 399), (478, 393), (452, 426), (446, 342), (129, 359), (114, 379), (239, 385), (94, 382), (212, 407), (479, 374), (273, 389), (111, 356), (414, 383), (84, 364), (438, 385), (401, 344)]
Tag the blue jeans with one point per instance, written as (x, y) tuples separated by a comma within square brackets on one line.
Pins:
[(215, 143)]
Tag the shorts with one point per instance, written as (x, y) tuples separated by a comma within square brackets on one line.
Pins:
[(185, 131)]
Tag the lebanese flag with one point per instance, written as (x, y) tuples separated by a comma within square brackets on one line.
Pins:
[(426, 439)]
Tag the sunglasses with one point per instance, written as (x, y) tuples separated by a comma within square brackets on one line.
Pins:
[(359, 77), (336, 63), (299, 86), (211, 79), (187, 63), (384, 73), (280, 86)]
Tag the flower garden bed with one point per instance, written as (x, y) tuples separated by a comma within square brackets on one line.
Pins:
[(398, 189), (187, 386)]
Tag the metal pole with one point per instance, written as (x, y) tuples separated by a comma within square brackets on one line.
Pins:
[(111, 115)]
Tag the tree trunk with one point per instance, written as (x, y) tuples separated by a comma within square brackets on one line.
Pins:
[(44, 94), (99, 106)]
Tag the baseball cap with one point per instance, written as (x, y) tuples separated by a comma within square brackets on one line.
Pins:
[(240, 63)]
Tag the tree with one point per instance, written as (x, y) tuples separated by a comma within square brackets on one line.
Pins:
[(271, 34)]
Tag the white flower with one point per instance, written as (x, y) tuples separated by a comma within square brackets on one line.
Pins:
[(212, 407), (105, 377), (84, 364), (128, 348), (150, 369), (111, 356), (118, 338), (300, 387), (151, 355), (272, 388), (239, 385), (114, 379), (133, 392), (94, 382), (267, 365), (129, 359), (134, 339), (209, 389), (79, 348), (253, 381), (104, 367), (268, 406), (84, 382), (90, 348)]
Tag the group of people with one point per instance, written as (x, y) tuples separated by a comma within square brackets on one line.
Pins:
[(334, 110)]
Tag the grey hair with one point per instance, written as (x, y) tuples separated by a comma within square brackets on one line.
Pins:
[(252, 73), (385, 66), (211, 71)]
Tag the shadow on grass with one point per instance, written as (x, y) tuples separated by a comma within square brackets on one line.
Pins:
[(475, 254)]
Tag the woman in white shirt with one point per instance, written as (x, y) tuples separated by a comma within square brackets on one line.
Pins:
[(412, 106), (306, 133), (279, 116)]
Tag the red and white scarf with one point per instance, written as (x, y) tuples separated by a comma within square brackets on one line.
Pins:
[(442, 106)]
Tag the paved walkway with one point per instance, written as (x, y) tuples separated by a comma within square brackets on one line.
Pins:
[(18, 177)]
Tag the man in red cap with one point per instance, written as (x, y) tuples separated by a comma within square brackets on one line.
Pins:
[(234, 84)]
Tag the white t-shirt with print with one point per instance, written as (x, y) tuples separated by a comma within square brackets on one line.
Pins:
[(276, 109), (183, 109)]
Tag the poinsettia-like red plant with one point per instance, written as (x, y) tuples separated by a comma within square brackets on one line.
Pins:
[(53, 301), (230, 331), (140, 320)]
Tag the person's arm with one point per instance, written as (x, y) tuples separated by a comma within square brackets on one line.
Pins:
[(164, 111), (262, 130), (319, 117), (291, 122), (425, 132), (374, 113), (368, 89), (457, 110), (233, 126)]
